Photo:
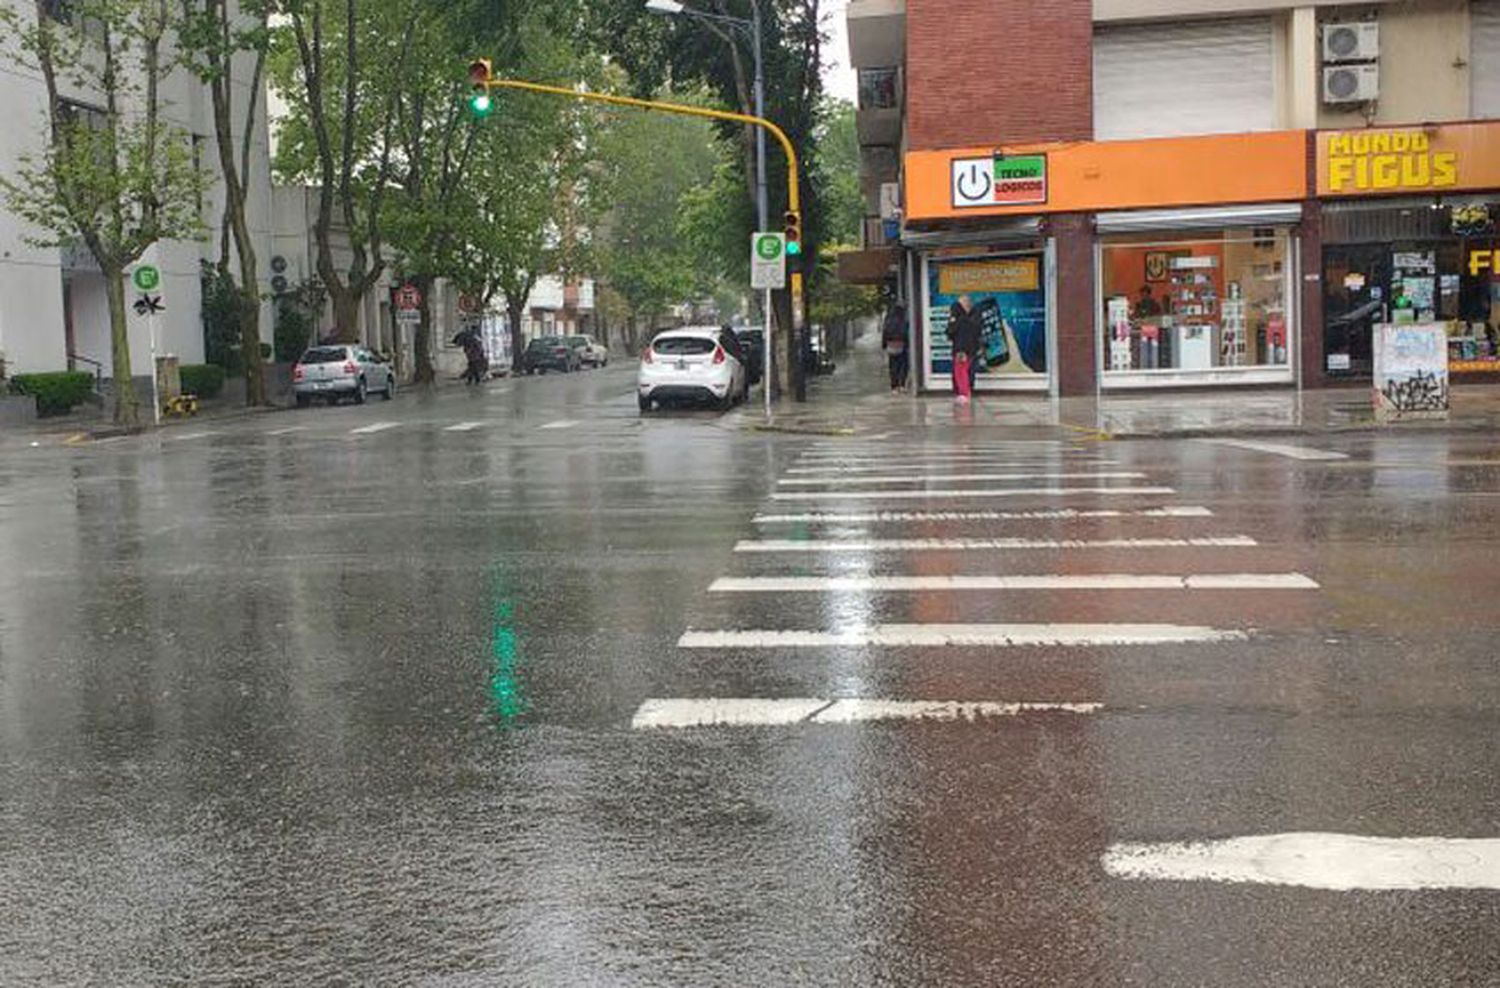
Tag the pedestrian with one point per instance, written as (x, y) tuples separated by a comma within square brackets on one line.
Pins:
[(473, 346), (967, 335), (893, 341)]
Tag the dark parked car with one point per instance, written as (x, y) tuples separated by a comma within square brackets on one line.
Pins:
[(550, 353), (753, 342)]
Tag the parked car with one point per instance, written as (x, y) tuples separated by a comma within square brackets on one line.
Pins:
[(753, 342), (549, 353), (693, 364), (337, 371), (591, 353)]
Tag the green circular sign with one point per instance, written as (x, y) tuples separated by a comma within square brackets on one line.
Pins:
[(147, 278), (768, 246)]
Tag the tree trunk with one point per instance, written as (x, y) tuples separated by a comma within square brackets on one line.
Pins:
[(255, 373), (345, 314), (422, 345), (513, 316), (127, 410)]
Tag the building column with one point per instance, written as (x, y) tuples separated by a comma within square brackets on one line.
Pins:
[(1313, 372), (1073, 234)]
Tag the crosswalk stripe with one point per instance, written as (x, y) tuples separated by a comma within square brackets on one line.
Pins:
[(956, 478), (464, 427), (1279, 449), (559, 424), (979, 444), (190, 436), (987, 545), (373, 427), (875, 517), (1336, 862), (287, 430), (815, 468), (978, 493), (658, 714), (965, 635), (1068, 581)]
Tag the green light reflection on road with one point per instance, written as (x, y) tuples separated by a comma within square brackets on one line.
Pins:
[(507, 701)]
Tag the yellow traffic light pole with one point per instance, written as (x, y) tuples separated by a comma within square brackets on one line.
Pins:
[(793, 191)]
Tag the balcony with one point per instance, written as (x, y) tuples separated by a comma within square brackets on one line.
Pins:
[(877, 33), (878, 120)]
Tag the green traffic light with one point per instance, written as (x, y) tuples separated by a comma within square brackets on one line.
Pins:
[(793, 247), (480, 103)]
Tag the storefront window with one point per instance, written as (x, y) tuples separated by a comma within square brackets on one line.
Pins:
[(1206, 304), (1008, 293), (1365, 285)]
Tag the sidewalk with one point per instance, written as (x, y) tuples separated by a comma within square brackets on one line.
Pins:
[(854, 401)]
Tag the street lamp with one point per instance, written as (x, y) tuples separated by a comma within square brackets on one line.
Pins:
[(752, 28)]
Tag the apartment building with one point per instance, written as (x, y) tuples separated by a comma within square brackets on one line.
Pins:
[(1181, 193), (53, 310)]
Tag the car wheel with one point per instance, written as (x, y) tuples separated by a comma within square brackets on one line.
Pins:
[(390, 387), (304, 400), (359, 392), (644, 401)]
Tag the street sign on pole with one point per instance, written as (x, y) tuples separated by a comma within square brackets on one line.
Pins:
[(767, 261), (147, 278)]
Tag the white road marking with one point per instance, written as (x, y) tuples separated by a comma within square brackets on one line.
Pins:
[(1337, 862), (844, 469), (992, 492), (988, 545), (1279, 449), (1069, 581), (749, 712), (464, 427), (372, 428), (955, 478), (961, 635), (559, 424), (874, 517), (287, 430), (858, 444), (189, 436)]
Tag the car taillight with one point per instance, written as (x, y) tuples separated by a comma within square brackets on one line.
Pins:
[(351, 368), (297, 372), (647, 356), (718, 355)]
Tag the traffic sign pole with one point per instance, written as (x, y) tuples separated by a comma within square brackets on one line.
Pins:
[(765, 366)]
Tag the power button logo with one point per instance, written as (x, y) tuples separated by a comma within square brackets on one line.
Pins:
[(973, 182)]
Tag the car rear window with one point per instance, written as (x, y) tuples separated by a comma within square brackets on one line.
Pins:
[(684, 345), (325, 355)]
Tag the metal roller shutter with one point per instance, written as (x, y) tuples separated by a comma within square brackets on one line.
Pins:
[(1484, 58), (1166, 80)]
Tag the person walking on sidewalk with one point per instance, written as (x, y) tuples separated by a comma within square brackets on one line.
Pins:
[(893, 342), (966, 333)]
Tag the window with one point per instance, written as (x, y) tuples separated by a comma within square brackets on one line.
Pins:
[(683, 346), (879, 89), (325, 355), (1166, 79), (1215, 301), (1484, 58)]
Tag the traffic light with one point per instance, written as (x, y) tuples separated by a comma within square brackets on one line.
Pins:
[(480, 71), (793, 233)]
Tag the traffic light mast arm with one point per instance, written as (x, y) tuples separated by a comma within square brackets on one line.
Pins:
[(792, 191)]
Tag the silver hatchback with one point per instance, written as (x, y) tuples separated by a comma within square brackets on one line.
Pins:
[(338, 371)]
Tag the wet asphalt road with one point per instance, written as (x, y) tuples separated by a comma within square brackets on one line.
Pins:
[(286, 703)]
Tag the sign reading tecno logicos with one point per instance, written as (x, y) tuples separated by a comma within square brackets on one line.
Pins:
[(999, 181)]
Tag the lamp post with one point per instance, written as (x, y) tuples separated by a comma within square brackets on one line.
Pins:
[(762, 208)]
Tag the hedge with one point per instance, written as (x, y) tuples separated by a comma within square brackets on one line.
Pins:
[(203, 380), (56, 392)]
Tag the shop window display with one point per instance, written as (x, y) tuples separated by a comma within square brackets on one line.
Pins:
[(1007, 293), (1196, 305)]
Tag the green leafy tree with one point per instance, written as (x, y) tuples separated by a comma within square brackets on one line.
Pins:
[(119, 178), (215, 35)]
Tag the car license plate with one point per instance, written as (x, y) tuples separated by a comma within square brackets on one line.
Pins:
[(682, 365)]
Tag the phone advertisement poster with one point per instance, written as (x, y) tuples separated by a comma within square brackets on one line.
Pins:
[(1007, 296)]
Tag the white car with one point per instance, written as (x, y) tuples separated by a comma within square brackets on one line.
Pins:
[(695, 363), (590, 354), (341, 371)]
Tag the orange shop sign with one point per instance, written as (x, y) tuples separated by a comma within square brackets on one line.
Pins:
[(1107, 175), (1392, 161)]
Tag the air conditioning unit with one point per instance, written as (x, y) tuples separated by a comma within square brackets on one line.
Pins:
[(1351, 83), (1357, 41)]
